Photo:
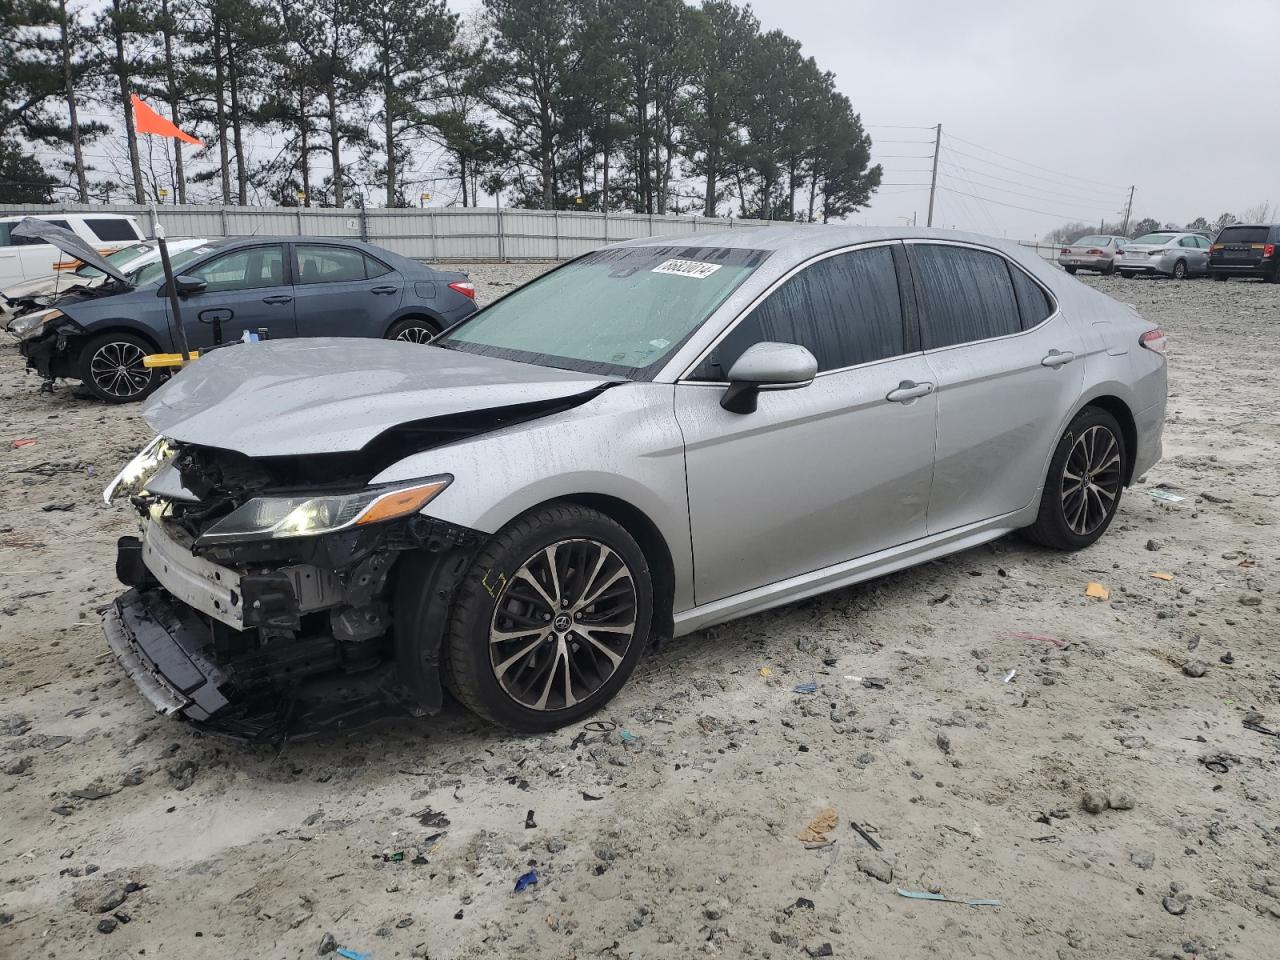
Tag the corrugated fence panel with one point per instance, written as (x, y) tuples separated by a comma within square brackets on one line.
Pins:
[(434, 233)]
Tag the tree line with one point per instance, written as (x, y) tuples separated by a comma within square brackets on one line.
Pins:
[(646, 105), (1071, 232)]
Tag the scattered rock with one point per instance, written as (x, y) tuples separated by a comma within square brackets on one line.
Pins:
[(876, 867), (1175, 905), (62, 507), (1119, 800), (328, 944), (1195, 668), (182, 774), (1227, 658), (822, 951), (1094, 802), (807, 645), (1143, 859), (14, 725), (1155, 545), (107, 925), (18, 766), (1249, 600), (944, 743), (100, 897)]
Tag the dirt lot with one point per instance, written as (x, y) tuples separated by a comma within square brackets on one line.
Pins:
[(675, 832)]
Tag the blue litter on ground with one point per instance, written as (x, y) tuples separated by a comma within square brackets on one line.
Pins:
[(353, 954), (938, 896), (526, 880), (809, 687)]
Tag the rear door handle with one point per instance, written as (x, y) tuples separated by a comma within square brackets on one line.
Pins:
[(386, 290), (909, 390), (1057, 358), (277, 298)]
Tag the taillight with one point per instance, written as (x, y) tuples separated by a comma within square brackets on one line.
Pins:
[(464, 287), (1153, 340), (1269, 250), (1066, 250), (1217, 246), (1096, 253)]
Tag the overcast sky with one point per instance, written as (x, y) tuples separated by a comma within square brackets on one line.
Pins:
[(1169, 97)]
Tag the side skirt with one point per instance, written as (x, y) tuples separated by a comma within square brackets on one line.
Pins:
[(849, 572)]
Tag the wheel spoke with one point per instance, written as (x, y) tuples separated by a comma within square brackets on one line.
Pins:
[(501, 668), (524, 574)]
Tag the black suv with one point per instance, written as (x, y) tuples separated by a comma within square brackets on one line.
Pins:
[(1245, 250)]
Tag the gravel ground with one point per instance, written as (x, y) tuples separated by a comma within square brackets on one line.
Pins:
[(674, 831)]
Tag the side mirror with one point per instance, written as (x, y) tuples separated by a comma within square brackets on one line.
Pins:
[(767, 366), (187, 285)]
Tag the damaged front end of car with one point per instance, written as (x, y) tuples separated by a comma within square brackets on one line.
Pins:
[(262, 602)]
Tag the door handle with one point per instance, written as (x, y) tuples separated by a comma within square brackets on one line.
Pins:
[(909, 390), (1057, 358), (277, 298), (386, 290)]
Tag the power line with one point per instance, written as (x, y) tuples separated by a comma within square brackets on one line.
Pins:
[(1037, 166), (1001, 166), (1020, 183), (1026, 196), (1047, 213)]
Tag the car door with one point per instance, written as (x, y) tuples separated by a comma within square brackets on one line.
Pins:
[(245, 289), (1008, 369), (343, 291), (1189, 249), (821, 474)]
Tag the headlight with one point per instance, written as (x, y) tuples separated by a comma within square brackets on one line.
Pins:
[(139, 470), (29, 324), (276, 518)]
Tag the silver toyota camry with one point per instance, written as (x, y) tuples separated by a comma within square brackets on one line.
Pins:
[(652, 438)]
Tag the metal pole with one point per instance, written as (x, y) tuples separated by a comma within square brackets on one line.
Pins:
[(933, 181), (172, 285), (1127, 210)]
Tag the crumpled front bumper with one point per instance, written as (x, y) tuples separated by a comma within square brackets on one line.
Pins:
[(158, 652)]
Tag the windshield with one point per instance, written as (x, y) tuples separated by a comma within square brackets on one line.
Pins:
[(120, 259), (622, 310), (1155, 239), (1093, 242), (154, 271)]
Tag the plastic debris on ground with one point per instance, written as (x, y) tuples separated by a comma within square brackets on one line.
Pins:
[(819, 827), (864, 835), (1010, 675), (353, 954), (809, 687), (1163, 576), (393, 857), (938, 896), (1159, 493), (1097, 591), (23, 442), (626, 736), (526, 880), (766, 672)]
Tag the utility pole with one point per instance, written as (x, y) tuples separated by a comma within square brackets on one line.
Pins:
[(1128, 209), (933, 181)]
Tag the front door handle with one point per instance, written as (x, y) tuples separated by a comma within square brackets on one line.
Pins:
[(1057, 358), (384, 290), (909, 390), (278, 298)]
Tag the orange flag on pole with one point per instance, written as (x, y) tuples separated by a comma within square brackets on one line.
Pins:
[(146, 120)]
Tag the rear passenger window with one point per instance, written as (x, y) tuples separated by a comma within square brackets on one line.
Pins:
[(845, 309), (1034, 304), (112, 228), (329, 264), (374, 268), (966, 295)]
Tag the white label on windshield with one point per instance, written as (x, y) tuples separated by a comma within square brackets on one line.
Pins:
[(694, 269)]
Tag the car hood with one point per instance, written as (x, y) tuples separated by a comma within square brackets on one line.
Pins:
[(330, 395), (48, 286)]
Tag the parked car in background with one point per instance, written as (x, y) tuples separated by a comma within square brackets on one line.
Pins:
[(1167, 253), (19, 298), (283, 286), (24, 258), (658, 436), (1096, 253), (1246, 250)]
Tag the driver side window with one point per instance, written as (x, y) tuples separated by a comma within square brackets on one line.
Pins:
[(244, 270), (845, 309)]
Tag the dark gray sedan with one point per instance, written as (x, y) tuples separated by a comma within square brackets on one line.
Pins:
[(283, 286)]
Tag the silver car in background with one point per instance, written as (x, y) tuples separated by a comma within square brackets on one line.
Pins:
[(655, 437), (1097, 252), (1167, 253)]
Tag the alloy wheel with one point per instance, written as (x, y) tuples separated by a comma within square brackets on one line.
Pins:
[(1091, 480), (117, 369), (562, 625), (414, 335)]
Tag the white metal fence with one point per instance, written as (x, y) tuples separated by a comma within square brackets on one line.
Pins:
[(453, 233)]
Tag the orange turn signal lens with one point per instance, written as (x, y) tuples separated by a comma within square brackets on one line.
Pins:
[(401, 503)]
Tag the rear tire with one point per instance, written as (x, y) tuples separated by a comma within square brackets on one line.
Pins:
[(551, 620), (1128, 274), (1221, 277), (413, 330), (110, 365), (1070, 270), (1084, 484), (1109, 270), (1180, 270)]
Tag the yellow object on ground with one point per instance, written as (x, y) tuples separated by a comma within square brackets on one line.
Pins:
[(1163, 576), (1097, 591), (816, 831), (153, 360)]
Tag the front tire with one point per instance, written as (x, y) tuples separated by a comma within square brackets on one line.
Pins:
[(110, 365), (1220, 277), (1070, 270), (413, 330), (1084, 484), (551, 620)]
